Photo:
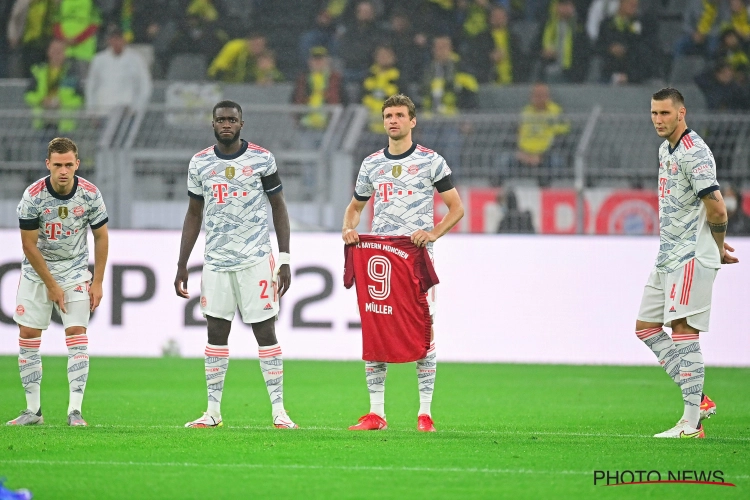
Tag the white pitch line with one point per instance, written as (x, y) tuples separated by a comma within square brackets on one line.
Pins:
[(308, 467), (442, 431)]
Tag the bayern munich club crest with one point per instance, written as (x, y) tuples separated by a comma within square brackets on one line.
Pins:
[(78, 211), (203, 302), (247, 171), (413, 169), (20, 310)]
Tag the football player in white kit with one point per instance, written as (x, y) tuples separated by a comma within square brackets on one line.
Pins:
[(692, 225), (403, 178), (54, 215), (230, 182)]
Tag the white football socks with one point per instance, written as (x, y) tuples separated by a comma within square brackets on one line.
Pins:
[(78, 369), (662, 346), (375, 373), (272, 367), (691, 375), (426, 369), (217, 363), (30, 368)]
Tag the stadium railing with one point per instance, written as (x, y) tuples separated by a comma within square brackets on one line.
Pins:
[(140, 161)]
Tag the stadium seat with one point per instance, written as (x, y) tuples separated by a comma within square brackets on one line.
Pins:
[(187, 67), (685, 69)]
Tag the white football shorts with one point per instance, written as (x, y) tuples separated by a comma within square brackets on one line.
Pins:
[(34, 309), (252, 290), (684, 293)]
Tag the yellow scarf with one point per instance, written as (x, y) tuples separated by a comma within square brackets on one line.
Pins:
[(504, 68), (549, 40), (706, 22), (318, 84)]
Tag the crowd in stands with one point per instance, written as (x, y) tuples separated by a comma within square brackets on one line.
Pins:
[(440, 49)]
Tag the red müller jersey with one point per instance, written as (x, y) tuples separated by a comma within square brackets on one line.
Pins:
[(392, 276)]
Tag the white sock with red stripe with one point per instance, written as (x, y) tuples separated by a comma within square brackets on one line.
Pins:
[(217, 363), (30, 368), (426, 369), (375, 373), (272, 367), (659, 342), (78, 369), (691, 375)]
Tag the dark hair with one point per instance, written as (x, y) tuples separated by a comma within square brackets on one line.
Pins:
[(400, 100), (227, 104), (61, 145), (669, 93)]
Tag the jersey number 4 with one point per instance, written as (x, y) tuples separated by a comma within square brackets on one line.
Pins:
[(379, 271)]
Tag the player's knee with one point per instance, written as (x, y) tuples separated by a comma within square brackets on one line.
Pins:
[(645, 325), (28, 333), (681, 327), (75, 330), (218, 331), (265, 332)]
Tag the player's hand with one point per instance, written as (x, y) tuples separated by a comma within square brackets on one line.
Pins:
[(726, 257), (95, 295), (422, 237), (350, 236), (57, 296), (180, 282), (283, 279)]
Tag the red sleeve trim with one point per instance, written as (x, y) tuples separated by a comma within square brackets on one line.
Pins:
[(37, 188)]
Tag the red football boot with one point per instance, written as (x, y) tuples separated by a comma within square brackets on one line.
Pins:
[(370, 422), (708, 407), (425, 424)]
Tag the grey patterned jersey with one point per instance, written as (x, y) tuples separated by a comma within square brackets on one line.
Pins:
[(403, 186), (234, 204), (61, 222), (687, 173)]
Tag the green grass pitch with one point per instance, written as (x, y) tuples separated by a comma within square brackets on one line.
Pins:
[(504, 431)]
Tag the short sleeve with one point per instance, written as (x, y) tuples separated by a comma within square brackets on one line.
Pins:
[(194, 185), (363, 189), (701, 173), (439, 169), (97, 211), (270, 168), (28, 212)]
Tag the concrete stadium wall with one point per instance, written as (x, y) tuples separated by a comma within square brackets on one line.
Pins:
[(521, 299)]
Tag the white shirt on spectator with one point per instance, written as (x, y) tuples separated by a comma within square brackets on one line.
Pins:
[(118, 80)]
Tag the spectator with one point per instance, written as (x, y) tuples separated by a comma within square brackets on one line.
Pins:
[(118, 77), (236, 62), (266, 72), (197, 35), (447, 87), (356, 45), (30, 29), (383, 82), (323, 34), (76, 23), (739, 20), (140, 21), (409, 46), (733, 51), (625, 46), (497, 51), (701, 20), (318, 86), (565, 48), (720, 89), (738, 222), (513, 219), (541, 123), (55, 87)]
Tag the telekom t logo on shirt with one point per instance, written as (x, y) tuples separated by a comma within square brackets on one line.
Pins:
[(220, 192), (385, 190)]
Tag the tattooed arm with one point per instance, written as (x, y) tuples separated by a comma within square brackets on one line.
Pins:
[(716, 215)]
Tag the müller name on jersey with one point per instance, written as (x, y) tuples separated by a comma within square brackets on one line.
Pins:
[(385, 248), (378, 308)]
